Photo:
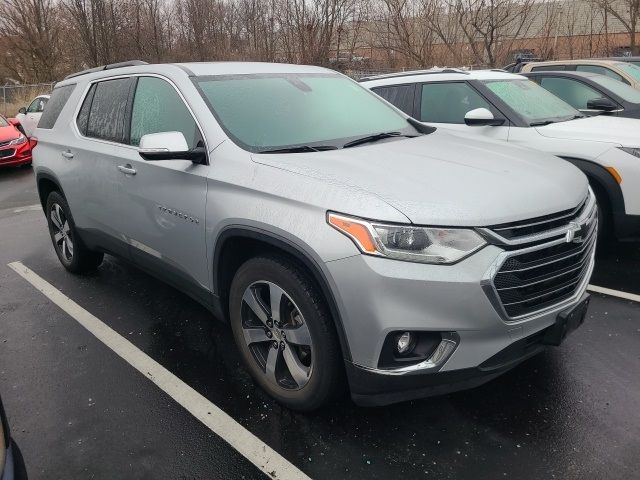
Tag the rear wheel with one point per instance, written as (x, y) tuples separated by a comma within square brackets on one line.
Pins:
[(284, 333), (73, 255)]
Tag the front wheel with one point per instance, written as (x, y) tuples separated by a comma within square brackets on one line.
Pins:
[(285, 333), (73, 255)]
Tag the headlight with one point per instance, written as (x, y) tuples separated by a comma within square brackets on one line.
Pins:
[(409, 243), (19, 141), (635, 151)]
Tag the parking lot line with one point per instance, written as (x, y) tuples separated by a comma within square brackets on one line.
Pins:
[(614, 293), (238, 437), (28, 208)]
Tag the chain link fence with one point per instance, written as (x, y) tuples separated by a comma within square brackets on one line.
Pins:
[(14, 97)]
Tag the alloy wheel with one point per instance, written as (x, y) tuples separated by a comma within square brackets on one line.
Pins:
[(61, 232), (277, 335)]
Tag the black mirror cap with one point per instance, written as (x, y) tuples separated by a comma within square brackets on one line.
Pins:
[(484, 122), (604, 104), (196, 155), (23, 110)]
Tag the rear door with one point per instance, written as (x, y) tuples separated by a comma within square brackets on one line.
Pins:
[(163, 202), (92, 178), (445, 104)]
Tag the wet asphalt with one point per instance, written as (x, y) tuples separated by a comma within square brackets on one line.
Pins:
[(78, 411)]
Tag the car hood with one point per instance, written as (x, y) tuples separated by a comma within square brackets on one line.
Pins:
[(444, 179), (8, 133), (616, 130)]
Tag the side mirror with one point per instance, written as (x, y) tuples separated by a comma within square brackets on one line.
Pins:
[(482, 117), (602, 104), (170, 146), (23, 110)]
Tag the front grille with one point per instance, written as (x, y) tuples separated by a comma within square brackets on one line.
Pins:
[(540, 276), (533, 226), (7, 153), (6, 142)]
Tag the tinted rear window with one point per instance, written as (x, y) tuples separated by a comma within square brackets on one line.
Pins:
[(108, 114), (399, 95), (55, 105)]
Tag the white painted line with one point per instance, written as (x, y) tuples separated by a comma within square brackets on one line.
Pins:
[(28, 208), (241, 439), (614, 293)]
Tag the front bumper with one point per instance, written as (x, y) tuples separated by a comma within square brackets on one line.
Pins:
[(377, 296), (15, 156)]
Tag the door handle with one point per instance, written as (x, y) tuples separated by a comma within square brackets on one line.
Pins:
[(127, 169), (67, 154)]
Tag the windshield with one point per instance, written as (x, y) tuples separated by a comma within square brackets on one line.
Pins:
[(275, 111), (623, 90), (531, 101), (630, 69)]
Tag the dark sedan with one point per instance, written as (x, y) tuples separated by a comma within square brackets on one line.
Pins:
[(591, 93), (11, 464)]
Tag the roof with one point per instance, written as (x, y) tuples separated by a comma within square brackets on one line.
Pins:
[(195, 69), (435, 75), (563, 73), (585, 61)]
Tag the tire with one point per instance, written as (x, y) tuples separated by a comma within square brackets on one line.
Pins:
[(73, 255), (298, 359)]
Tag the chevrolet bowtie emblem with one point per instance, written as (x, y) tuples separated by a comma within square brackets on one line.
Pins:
[(576, 233)]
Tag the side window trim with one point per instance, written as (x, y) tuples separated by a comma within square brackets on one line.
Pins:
[(79, 133)]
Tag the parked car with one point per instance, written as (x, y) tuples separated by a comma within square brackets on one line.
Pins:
[(622, 71), (509, 107), (30, 116), (333, 232), (591, 93), (633, 60), (11, 463), (15, 148)]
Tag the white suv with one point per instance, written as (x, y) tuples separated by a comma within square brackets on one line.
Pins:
[(503, 106)]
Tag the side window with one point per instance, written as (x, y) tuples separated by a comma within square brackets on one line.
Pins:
[(600, 70), (55, 105), (157, 107), (399, 95), (107, 117), (83, 116), (37, 106), (549, 68), (449, 102), (576, 94)]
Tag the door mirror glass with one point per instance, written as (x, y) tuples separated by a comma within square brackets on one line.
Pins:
[(603, 104), (481, 117), (23, 110), (169, 146)]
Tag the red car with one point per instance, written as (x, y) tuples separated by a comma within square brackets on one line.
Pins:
[(15, 147)]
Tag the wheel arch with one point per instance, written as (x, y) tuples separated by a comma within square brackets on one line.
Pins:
[(603, 183), (47, 183), (236, 244)]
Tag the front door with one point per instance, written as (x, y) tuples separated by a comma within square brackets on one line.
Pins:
[(163, 202)]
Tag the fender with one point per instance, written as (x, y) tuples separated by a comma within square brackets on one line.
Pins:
[(287, 246), (598, 174)]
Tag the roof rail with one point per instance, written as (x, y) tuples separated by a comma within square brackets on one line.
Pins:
[(414, 72), (111, 66)]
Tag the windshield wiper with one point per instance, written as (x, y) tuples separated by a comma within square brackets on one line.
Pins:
[(548, 122), (375, 138), (300, 149)]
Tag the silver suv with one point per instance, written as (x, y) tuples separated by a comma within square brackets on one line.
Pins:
[(341, 239)]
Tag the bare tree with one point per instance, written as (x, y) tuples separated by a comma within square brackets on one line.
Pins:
[(627, 12), (32, 42)]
